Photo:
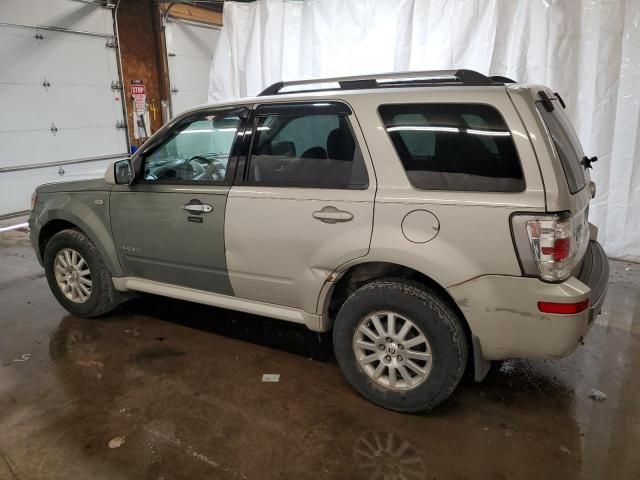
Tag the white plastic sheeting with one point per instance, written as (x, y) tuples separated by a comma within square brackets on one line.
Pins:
[(588, 50)]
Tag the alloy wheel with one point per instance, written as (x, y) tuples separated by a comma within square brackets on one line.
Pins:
[(392, 351), (73, 275)]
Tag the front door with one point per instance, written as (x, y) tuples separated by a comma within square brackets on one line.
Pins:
[(169, 224), (303, 206)]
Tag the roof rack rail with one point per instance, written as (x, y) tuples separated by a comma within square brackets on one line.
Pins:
[(386, 80), (501, 79)]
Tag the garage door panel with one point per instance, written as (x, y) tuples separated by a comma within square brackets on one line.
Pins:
[(65, 106), (27, 105), (66, 14), (18, 11), (60, 58), (79, 100), (72, 52), (191, 49), (187, 99), (192, 40), (84, 106), (16, 187), (20, 53), (57, 13), (190, 73), (41, 146)]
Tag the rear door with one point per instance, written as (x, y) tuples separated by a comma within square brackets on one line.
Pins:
[(169, 224), (303, 203)]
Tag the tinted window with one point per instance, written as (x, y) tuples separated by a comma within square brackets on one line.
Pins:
[(197, 151), (567, 145), (306, 150), (464, 147)]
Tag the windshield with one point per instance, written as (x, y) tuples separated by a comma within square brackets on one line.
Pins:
[(567, 145)]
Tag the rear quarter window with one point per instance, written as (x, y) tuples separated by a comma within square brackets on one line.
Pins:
[(462, 147)]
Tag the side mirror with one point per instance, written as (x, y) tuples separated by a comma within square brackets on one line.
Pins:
[(119, 173)]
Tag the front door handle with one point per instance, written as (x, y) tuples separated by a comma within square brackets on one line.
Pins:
[(332, 215), (197, 207)]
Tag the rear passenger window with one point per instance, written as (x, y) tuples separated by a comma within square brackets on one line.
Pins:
[(293, 149), (464, 147)]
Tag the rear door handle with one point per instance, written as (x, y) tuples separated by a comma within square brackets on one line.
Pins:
[(332, 215), (195, 206)]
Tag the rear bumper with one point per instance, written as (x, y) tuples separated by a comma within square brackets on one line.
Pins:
[(594, 273), (503, 314)]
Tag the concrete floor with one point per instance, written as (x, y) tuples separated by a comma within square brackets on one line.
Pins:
[(181, 385)]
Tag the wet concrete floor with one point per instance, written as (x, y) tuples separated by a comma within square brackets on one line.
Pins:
[(163, 389)]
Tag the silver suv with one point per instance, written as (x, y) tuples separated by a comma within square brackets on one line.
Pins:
[(434, 220)]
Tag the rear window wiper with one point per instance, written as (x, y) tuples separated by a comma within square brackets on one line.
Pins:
[(546, 101), (548, 104), (586, 161)]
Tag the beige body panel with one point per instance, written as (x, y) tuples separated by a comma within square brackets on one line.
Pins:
[(503, 313), (278, 252), (459, 214)]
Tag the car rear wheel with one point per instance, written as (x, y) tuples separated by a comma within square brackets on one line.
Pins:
[(400, 345), (77, 275)]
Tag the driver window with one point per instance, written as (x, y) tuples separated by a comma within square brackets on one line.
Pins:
[(196, 152)]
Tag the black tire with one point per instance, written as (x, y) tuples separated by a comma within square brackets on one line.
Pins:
[(438, 322), (103, 297)]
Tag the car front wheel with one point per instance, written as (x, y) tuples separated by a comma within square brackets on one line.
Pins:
[(77, 275)]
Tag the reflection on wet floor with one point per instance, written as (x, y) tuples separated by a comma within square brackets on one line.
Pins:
[(385, 455), (177, 389)]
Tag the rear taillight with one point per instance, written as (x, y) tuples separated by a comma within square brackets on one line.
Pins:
[(550, 246), (550, 240)]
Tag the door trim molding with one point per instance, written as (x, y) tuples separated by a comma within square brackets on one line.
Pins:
[(312, 321)]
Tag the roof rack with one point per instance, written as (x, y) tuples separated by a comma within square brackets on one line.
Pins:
[(500, 78), (385, 80)]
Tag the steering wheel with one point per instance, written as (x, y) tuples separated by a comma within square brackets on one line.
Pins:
[(195, 165), (215, 172), (210, 167)]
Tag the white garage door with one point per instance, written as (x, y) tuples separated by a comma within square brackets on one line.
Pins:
[(190, 49), (60, 114)]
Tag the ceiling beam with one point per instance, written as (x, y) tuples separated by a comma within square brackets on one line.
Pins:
[(191, 13)]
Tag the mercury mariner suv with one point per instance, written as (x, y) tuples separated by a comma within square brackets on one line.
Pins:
[(435, 221)]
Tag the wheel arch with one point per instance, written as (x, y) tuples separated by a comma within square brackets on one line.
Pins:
[(49, 229), (88, 223), (353, 277)]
